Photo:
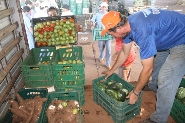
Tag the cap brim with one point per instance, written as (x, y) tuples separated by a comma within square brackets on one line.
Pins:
[(103, 32)]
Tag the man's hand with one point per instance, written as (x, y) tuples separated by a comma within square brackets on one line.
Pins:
[(108, 73), (132, 98)]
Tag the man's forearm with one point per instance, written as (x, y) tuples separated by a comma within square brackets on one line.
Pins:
[(119, 61), (143, 80)]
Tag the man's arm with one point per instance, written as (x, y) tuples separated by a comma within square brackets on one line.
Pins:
[(143, 79), (31, 30), (145, 74)]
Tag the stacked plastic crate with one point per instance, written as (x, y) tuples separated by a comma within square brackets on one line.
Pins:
[(44, 68), (72, 6), (36, 68), (85, 5), (140, 2), (178, 109), (68, 71)]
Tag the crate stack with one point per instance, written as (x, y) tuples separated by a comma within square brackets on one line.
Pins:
[(140, 3), (178, 109), (68, 71), (85, 5), (47, 67), (72, 6), (36, 68), (76, 6)]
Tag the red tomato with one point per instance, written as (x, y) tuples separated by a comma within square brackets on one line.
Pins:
[(70, 32), (64, 20), (41, 32), (44, 43), (52, 25), (48, 37), (47, 29), (39, 29), (37, 44), (45, 26), (52, 29), (71, 20)]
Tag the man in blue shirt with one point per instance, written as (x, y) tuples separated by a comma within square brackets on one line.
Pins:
[(106, 43), (160, 34)]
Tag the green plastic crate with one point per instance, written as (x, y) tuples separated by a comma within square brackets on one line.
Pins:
[(96, 34), (72, 83), (27, 94), (61, 96), (69, 77), (36, 55), (36, 74), (85, 3), (120, 112), (59, 71), (79, 8), (178, 109), (79, 89), (66, 54)]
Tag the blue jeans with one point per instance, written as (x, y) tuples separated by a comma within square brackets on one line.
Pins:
[(159, 60), (102, 45), (169, 71)]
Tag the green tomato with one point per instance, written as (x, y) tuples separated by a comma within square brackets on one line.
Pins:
[(72, 24), (36, 33), (49, 43), (53, 40), (57, 42), (70, 37), (62, 42), (36, 38), (64, 104), (35, 28), (66, 30), (61, 23), (41, 36), (69, 28), (68, 22), (52, 36), (55, 30), (45, 33), (53, 43), (56, 35), (75, 111), (65, 25)]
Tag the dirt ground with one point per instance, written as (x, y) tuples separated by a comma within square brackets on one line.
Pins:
[(94, 113)]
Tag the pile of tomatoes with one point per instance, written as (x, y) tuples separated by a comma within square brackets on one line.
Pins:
[(53, 33)]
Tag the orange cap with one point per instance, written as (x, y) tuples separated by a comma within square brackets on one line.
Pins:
[(110, 20)]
